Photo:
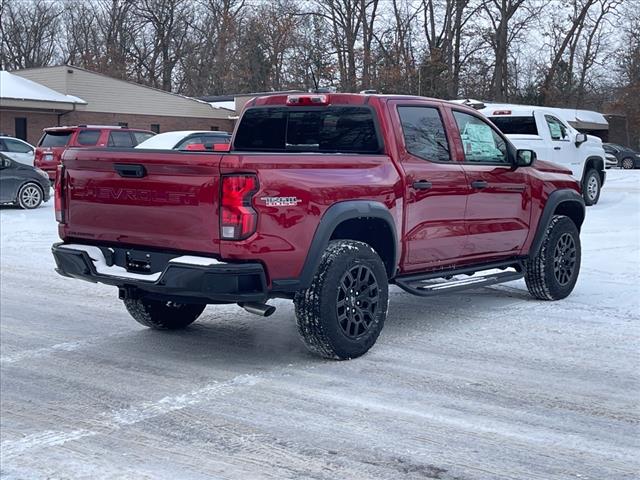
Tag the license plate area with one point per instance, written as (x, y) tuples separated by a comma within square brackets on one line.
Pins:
[(138, 262), (47, 157)]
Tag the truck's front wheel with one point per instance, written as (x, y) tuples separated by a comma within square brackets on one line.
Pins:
[(553, 272), (591, 188), (163, 315), (342, 313)]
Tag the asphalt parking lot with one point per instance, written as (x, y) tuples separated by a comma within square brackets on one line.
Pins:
[(488, 384)]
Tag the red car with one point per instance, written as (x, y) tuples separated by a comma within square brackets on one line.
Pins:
[(56, 139), (325, 200)]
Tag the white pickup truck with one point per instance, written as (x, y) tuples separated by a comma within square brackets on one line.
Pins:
[(553, 139)]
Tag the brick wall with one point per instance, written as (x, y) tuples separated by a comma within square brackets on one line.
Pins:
[(36, 121)]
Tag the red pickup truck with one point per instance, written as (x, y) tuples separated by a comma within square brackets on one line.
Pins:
[(325, 200)]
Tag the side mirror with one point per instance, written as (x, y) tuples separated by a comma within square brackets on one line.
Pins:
[(525, 158), (580, 138)]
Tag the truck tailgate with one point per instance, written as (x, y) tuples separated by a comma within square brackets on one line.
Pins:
[(164, 199)]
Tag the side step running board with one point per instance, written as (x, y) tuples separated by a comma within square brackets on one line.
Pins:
[(417, 284)]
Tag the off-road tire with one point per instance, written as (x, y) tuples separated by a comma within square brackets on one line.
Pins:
[(163, 315), (540, 275), (627, 163), (591, 181), (30, 196), (323, 316)]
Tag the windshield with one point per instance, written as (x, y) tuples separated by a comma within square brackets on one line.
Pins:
[(312, 129), (516, 125), (55, 139)]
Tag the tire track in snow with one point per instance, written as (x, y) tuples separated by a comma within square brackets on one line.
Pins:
[(110, 421)]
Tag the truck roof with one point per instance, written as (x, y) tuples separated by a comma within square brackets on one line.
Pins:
[(333, 98)]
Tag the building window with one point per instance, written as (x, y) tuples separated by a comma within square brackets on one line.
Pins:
[(123, 124), (21, 128), (155, 127), (214, 129)]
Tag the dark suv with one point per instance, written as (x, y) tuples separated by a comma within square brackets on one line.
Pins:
[(56, 139)]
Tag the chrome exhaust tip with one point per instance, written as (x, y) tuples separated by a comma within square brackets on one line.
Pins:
[(261, 309)]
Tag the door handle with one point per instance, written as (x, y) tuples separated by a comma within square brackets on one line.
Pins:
[(557, 148), (131, 171), (422, 185), (479, 184)]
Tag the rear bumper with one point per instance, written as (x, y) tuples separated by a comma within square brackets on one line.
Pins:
[(183, 277)]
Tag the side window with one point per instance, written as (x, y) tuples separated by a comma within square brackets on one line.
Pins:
[(141, 136), (16, 146), (3, 147), (481, 143), (189, 141), (556, 128), (120, 139), (88, 137), (424, 134)]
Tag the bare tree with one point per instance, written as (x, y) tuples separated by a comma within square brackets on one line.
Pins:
[(29, 32)]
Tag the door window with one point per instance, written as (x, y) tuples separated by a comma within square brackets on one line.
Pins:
[(88, 137), (120, 139), (556, 128), (481, 143), (424, 134), (16, 146)]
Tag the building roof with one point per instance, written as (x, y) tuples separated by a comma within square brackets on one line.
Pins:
[(106, 94), (14, 88)]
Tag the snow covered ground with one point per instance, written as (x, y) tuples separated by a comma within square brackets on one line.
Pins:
[(489, 384)]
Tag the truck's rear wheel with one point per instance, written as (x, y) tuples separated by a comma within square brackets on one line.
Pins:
[(342, 313), (591, 188), (553, 272), (163, 315)]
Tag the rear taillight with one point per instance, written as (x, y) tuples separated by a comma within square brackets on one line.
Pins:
[(238, 219), (59, 194)]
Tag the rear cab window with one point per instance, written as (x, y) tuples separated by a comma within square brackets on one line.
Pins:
[(55, 139), (525, 125), (331, 129)]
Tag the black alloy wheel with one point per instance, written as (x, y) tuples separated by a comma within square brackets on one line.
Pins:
[(357, 304), (564, 259)]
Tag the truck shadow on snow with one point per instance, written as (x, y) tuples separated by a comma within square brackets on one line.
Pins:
[(226, 334)]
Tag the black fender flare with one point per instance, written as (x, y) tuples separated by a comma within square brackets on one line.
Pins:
[(599, 167), (334, 216), (555, 199)]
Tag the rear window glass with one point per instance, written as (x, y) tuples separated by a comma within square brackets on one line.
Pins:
[(55, 139), (141, 136), (516, 125), (88, 137), (120, 139), (329, 129)]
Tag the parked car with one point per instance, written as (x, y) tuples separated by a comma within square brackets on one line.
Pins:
[(554, 140), (186, 140), (625, 156), (17, 149), (325, 200), (22, 185), (56, 139)]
